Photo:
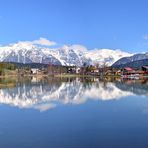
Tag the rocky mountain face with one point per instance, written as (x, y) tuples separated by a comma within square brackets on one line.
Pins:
[(23, 52)]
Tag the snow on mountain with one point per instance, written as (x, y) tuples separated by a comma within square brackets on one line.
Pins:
[(106, 56), (26, 52)]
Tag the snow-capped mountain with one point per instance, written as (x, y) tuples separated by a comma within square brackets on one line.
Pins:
[(26, 52), (107, 56)]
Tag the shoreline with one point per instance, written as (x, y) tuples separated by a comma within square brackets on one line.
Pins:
[(65, 75)]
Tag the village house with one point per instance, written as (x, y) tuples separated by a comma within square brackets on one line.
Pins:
[(34, 70), (78, 70), (128, 71), (116, 72)]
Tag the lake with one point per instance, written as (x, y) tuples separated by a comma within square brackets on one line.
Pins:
[(73, 113)]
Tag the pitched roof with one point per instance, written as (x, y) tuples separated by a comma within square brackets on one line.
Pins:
[(128, 69), (146, 67)]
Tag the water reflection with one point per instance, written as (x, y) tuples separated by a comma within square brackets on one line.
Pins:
[(43, 94)]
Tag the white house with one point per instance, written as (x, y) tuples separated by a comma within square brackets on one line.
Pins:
[(34, 70)]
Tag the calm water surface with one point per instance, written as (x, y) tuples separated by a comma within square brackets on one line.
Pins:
[(73, 113)]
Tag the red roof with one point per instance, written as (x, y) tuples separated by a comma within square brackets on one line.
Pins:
[(128, 69)]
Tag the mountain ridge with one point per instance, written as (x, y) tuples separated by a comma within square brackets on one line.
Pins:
[(135, 61), (135, 64), (25, 52)]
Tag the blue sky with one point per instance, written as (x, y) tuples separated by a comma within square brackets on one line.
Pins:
[(111, 24)]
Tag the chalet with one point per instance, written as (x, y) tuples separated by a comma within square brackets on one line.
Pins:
[(128, 71), (118, 72), (113, 72), (92, 70), (109, 72)]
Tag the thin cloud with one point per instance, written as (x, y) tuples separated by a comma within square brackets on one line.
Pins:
[(145, 37), (41, 41), (44, 42)]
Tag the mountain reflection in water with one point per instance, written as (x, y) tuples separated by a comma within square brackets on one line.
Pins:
[(43, 94)]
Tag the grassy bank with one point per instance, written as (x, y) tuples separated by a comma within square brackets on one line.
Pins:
[(74, 75)]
